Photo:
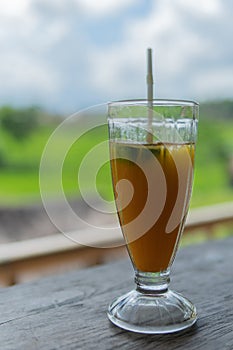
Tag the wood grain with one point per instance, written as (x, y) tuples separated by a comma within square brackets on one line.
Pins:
[(69, 311), (28, 259)]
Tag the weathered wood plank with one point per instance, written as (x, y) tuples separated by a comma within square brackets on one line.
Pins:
[(55, 243), (209, 216), (59, 243), (69, 311), (31, 258), (45, 255)]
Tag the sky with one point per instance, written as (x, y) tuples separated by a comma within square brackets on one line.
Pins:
[(64, 55)]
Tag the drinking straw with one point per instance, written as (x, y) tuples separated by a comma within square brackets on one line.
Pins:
[(149, 136)]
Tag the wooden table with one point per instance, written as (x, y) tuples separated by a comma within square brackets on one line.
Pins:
[(69, 311)]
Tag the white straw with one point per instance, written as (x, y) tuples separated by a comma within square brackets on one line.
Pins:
[(149, 75), (150, 82)]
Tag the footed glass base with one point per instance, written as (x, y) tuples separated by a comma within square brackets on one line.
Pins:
[(159, 313)]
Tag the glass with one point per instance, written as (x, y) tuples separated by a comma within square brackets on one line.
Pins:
[(152, 146)]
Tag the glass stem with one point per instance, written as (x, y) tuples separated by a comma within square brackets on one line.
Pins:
[(152, 282)]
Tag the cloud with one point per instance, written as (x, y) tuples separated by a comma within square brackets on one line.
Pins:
[(104, 7), (185, 49), (207, 8), (68, 54), (88, 8), (13, 9), (45, 52), (214, 80)]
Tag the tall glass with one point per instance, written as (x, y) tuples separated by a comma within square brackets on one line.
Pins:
[(152, 148)]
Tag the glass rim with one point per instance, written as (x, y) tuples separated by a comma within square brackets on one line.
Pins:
[(155, 102)]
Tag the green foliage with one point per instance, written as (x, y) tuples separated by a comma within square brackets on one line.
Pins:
[(217, 110), (20, 123), (212, 182), (2, 159), (21, 160)]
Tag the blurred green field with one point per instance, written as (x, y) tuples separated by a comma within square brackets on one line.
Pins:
[(212, 181), (19, 177)]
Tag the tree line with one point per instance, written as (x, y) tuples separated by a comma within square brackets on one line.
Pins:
[(19, 123)]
